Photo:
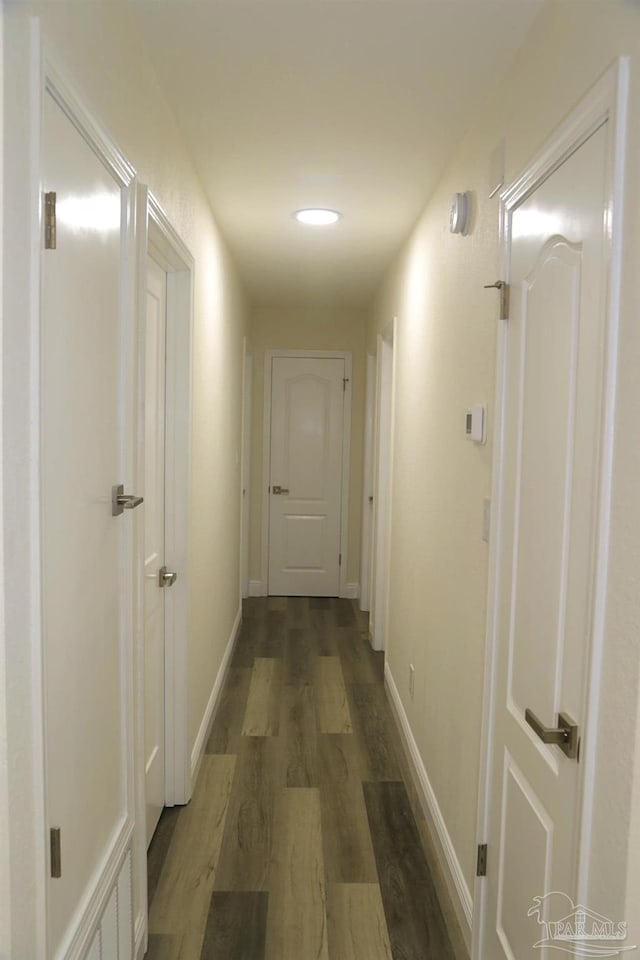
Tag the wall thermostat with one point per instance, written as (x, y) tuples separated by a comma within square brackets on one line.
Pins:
[(476, 424)]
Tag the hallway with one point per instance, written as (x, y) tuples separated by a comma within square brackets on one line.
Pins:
[(300, 841)]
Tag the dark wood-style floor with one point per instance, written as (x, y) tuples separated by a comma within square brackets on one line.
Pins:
[(300, 842)]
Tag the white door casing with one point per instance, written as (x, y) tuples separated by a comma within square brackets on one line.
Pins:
[(154, 543), (87, 553), (367, 487), (383, 460), (162, 243), (549, 534), (306, 451), (247, 400)]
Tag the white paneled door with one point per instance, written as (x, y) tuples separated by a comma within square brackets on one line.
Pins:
[(307, 403), (154, 543), (86, 551), (553, 421)]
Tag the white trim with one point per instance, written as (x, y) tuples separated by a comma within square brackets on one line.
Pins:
[(382, 498), (257, 588), (90, 909), (205, 726), (245, 467), (452, 870), (367, 486), (159, 239), (140, 939), (352, 591), (606, 101), (269, 355)]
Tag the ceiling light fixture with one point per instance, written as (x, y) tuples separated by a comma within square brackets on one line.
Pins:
[(317, 217)]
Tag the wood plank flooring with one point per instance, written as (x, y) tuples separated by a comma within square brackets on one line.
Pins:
[(300, 842)]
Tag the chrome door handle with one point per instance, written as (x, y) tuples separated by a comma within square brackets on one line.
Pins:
[(121, 501), (566, 735), (166, 578), (279, 490)]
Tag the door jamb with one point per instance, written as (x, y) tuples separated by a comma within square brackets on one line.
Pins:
[(245, 467), (269, 355), (606, 101), (367, 486), (386, 339), (159, 239)]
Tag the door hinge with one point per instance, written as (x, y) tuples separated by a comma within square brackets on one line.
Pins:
[(345, 381), (481, 864), (339, 559), (50, 221), (503, 287), (55, 846)]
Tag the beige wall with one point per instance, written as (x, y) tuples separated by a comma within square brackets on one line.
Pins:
[(96, 44), (307, 328), (5, 933), (445, 363)]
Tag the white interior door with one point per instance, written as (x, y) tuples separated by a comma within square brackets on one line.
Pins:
[(553, 406), (307, 401), (154, 543), (86, 550)]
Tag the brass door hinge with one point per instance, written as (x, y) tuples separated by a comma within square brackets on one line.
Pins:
[(503, 287), (55, 845), (481, 863), (50, 221)]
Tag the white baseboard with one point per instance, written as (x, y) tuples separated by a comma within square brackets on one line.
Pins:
[(352, 591), (203, 732), (257, 588), (458, 889), (140, 938)]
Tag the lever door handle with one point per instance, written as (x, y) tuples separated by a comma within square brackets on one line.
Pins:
[(282, 491), (121, 501), (166, 578), (565, 735)]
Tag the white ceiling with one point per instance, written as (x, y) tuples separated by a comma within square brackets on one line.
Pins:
[(350, 104)]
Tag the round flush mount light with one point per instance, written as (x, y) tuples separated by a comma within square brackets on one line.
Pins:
[(460, 213), (317, 216)]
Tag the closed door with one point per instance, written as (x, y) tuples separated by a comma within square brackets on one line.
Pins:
[(307, 400), (553, 417), (154, 545), (86, 558)]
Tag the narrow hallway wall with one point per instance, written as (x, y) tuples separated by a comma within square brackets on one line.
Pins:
[(307, 328), (97, 47), (5, 912), (446, 349)]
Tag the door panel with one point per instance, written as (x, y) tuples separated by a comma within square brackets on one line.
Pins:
[(552, 424), (85, 548), (306, 461), (154, 543)]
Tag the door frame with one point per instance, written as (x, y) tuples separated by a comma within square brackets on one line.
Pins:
[(367, 486), (159, 240), (269, 356), (386, 351), (605, 102), (245, 467)]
